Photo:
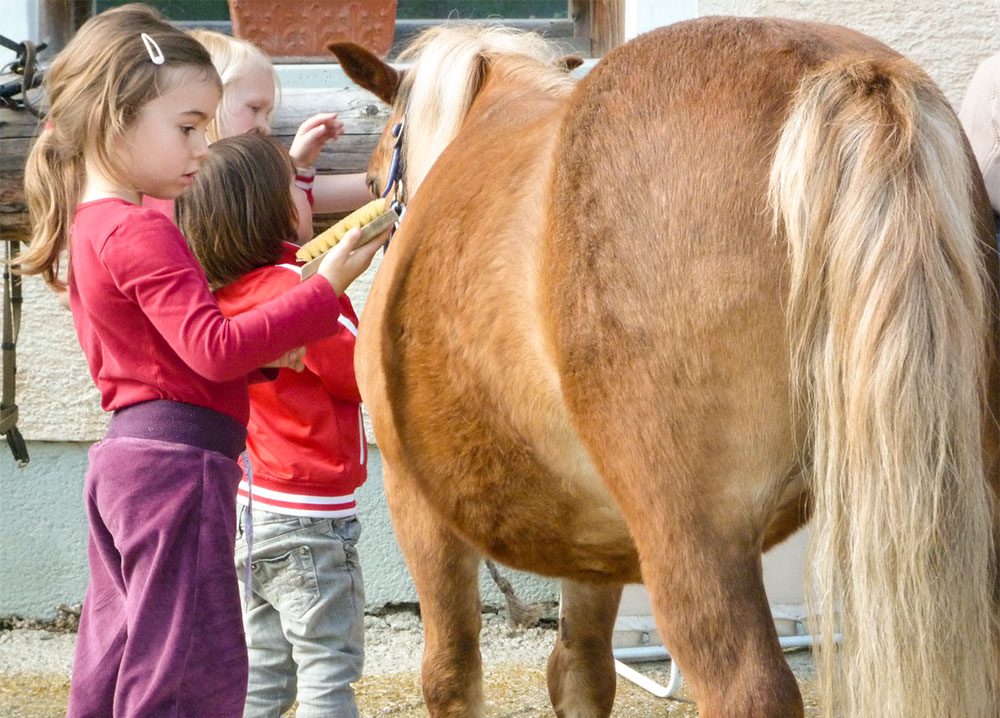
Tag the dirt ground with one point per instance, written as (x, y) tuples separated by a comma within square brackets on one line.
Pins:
[(512, 690), (36, 658)]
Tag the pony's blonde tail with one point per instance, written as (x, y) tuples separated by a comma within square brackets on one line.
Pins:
[(888, 317)]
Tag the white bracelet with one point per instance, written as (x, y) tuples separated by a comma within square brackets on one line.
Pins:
[(304, 178), (305, 172)]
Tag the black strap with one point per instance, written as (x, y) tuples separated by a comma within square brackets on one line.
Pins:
[(12, 300), (11, 45), (25, 65)]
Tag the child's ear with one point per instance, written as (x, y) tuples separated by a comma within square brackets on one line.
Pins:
[(368, 71)]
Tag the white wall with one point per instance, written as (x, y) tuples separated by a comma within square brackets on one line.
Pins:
[(20, 23), (643, 15), (948, 39)]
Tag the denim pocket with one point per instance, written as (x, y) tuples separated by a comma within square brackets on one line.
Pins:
[(347, 532), (288, 582)]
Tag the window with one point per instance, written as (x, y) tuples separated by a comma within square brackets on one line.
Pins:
[(586, 27)]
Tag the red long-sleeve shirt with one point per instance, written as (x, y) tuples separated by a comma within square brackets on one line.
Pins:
[(306, 438), (151, 329)]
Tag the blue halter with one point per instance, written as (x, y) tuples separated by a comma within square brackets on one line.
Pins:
[(394, 182)]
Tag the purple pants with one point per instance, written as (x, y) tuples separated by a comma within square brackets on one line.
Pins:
[(161, 632)]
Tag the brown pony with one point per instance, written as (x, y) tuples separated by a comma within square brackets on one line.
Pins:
[(639, 327)]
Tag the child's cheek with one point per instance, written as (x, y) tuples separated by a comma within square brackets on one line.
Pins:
[(305, 228)]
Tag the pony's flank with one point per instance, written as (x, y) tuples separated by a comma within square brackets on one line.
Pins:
[(449, 67), (888, 320)]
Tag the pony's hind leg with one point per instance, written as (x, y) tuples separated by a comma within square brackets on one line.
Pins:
[(707, 593), (699, 547), (445, 572), (581, 670), (698, 523)]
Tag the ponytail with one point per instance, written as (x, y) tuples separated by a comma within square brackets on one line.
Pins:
[(53, 178)]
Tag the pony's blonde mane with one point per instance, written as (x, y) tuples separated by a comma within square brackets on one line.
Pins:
[(450, 65)]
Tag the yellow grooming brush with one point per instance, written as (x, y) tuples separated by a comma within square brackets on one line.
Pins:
[(373, 218)]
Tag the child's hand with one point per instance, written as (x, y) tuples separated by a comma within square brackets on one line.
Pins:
[(346, 261), (312, 135), (294, 360)]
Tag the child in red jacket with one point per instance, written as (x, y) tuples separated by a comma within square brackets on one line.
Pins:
[(306, 445)]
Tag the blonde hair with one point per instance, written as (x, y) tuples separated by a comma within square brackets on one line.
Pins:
[(96, 88), (240, 208), (449, 66), (232, 58)]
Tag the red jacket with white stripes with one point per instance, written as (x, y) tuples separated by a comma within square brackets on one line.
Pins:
[(306, 437)]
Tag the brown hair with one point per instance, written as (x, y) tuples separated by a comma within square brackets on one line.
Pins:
[(240, 208), (96, 87)]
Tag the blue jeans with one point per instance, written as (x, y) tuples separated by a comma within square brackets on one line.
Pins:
[(305, 620)]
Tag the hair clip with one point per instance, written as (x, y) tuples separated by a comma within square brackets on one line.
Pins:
[(155, 53)]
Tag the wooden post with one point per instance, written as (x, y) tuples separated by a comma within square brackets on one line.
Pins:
[(579, 12), (58, 21), (17, 130), (607, 25)]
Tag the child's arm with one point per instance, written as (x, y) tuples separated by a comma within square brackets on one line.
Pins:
[(294, 360), (306, 146), (152, 265), (340, 193), (326, 193), (332, 359)]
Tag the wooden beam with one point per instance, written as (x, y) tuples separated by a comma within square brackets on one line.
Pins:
[(607, 25), (363, 117), (579, 12)]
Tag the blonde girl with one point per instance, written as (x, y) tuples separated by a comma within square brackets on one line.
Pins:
[(249, 96), (130, 102)]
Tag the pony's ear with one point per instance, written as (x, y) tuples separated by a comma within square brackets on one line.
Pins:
[(368, 71), (569, 62)]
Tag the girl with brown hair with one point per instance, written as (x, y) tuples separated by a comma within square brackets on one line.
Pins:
[(306, 448)]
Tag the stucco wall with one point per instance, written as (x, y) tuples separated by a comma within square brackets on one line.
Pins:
[(42, 520), (43, 538), (948, 39)]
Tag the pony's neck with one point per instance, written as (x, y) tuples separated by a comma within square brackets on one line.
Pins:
[(502, 88)]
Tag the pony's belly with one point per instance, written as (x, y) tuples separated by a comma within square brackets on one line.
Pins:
[(551, 516), (514, 480), (458, 373)]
